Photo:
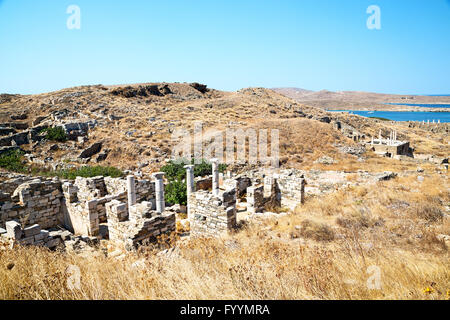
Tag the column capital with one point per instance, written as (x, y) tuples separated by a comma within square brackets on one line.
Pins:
[(214, 160), (189, 166)]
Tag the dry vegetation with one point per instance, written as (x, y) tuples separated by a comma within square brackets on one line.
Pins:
[(323, 251)]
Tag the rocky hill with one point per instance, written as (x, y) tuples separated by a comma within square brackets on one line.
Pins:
[(130, 126)]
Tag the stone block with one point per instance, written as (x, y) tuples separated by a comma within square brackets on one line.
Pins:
[(66, 235), (26, 241), (14, 230), (52, 243), (32, 231)]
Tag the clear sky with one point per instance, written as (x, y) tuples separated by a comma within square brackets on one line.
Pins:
[(227, 44)]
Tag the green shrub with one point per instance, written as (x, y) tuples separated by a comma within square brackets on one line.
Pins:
[(89, 172), (85, 172), (380, 118), (55, 134), (12, 161), (174, 170), (176, 192)]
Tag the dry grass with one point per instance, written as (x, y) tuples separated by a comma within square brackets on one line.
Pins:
[(331, 256)]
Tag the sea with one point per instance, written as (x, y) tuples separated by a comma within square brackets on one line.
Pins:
[(403, 115)]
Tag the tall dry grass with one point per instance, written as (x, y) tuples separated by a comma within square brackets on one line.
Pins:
[(326, 250)]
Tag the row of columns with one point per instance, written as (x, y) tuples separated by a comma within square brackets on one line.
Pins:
[(390, 141), (159, 186), (428, 121), (159, 191)]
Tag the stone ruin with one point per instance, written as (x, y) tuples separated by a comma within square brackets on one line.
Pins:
[(84, 206), (390, 147), (134, 223), (213, 212), (132, 212)]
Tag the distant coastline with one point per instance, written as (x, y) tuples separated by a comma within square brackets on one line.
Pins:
[(418, 116), (368, 101)]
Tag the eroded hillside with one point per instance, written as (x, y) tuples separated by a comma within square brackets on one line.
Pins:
[(131, 126)]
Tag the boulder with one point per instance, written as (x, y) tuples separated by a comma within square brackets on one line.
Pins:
[(325, 119), (22, 116), (91, 150)]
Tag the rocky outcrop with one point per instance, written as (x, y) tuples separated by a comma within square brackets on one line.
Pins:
[(91, 151)]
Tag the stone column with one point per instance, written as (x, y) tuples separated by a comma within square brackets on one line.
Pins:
[(215, 176), (131, 188), (159, 192), (190, 179), (190, 184)]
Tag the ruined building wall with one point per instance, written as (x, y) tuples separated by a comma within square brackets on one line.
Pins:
[(80, 206), (12, 181), (210, 214), (86, 201), (145, 189), (137, 225), (35, 202), (291, 185)]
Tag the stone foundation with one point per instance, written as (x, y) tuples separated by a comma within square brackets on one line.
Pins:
[(32, 235)]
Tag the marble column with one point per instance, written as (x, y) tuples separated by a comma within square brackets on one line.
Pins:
[(159, 192), (190, 184), (215, 176), (131, 189)]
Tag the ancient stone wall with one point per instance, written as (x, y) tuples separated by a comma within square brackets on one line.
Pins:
[(203, 183), (12, 182), (35, 202), (145, 189), (210, 214), (138, 225), (291, 185)]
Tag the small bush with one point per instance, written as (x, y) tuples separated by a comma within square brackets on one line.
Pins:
[(316, 231), (176, 192), (429, 212), (12, 161), (85, 172), (380, 118), (175, 170), (55, 134)]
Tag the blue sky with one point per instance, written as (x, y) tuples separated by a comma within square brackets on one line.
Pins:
[(227, 44)]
